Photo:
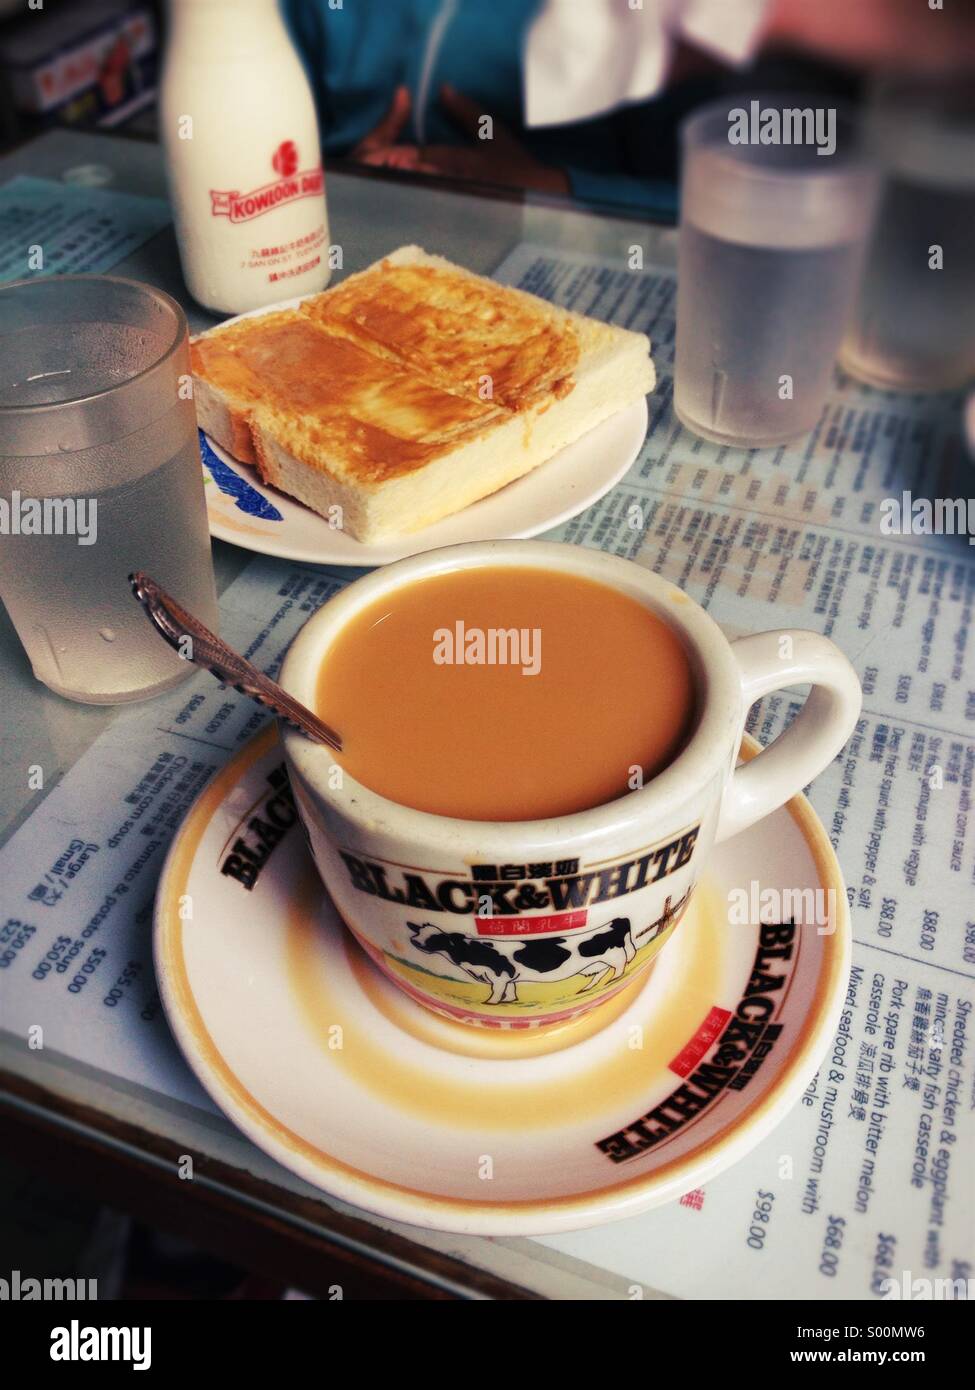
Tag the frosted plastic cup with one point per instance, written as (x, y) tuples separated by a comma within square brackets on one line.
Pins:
[(914, 324), (99, 475), (772, 238)]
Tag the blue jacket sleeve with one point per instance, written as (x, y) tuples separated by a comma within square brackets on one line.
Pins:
[(656, 198)]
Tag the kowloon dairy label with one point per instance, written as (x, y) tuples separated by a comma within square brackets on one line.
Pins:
[(243, 207)]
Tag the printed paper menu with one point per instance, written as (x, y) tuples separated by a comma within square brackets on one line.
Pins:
[(50, 228), (871, 1173), (871, 1176)]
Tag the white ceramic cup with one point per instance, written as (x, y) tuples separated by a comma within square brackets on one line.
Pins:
[(524, 923)]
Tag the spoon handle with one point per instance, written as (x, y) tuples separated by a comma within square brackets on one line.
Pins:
[(196, 643)]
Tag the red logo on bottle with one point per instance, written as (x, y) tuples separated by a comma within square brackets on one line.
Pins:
[(285, 161), (292, 183)]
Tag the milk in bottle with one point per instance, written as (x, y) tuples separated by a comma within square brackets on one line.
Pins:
[(243, 156)]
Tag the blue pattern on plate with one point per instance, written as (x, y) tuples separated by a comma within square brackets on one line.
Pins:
[(247, 498)]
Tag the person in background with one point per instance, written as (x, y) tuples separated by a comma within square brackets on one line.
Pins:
[(576, 97)]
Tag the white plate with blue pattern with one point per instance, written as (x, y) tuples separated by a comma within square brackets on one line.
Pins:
[(246, 512)]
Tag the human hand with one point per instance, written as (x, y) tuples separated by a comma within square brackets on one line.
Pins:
[(497, 156), (386, 132)]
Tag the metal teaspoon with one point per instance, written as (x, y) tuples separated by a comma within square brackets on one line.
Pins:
[(206, 649)]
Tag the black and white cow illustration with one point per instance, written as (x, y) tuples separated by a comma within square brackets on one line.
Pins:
[(500, 962)]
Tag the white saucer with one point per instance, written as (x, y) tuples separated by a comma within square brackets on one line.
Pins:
[(248, 513), (346, 1081)]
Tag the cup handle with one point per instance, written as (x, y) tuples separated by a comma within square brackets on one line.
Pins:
[(769, 661)]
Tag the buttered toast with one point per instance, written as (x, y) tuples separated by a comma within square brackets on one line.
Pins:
[(410, 390)]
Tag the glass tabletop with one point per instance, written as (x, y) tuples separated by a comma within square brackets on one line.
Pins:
[(762, 539)]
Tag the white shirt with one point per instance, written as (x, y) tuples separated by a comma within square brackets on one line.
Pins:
[(585, 57)]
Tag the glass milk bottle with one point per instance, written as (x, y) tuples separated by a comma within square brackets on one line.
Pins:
[(243, 156)]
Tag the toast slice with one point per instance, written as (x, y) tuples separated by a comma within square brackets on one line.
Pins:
[(409, 391), (467, 334)]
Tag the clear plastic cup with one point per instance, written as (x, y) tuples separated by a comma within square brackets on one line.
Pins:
[(914, 324), (99, 475), (772, 238)]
